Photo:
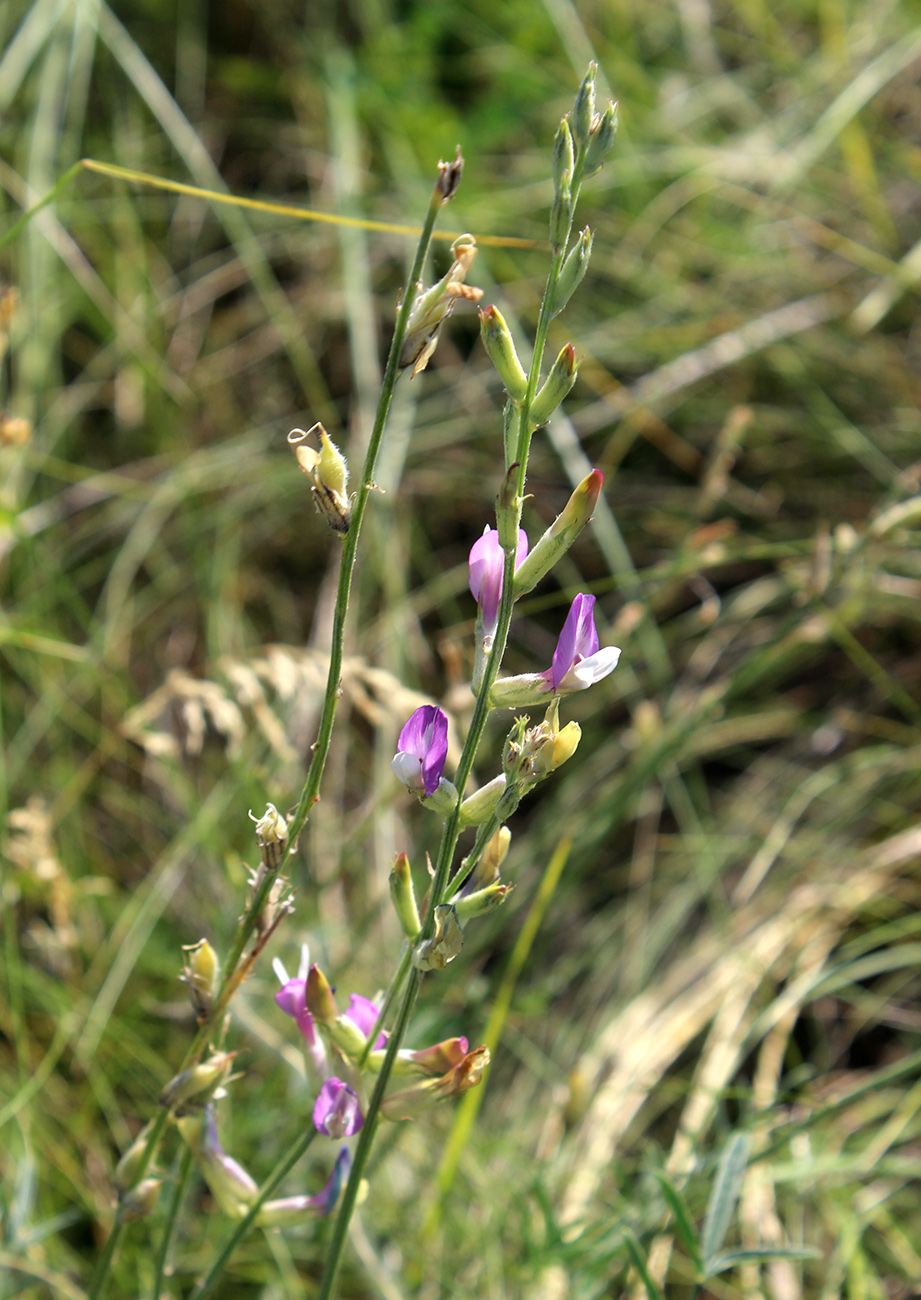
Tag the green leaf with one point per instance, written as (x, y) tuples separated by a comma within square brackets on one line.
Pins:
[(733, 1258), (683, 1224), (639, 1262), (729, 1174)]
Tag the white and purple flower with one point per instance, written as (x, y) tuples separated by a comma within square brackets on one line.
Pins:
[(337, 1112), (487, 561), (577, 661), (422, 750)]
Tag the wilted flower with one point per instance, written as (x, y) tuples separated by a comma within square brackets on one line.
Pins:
[(487, 560), (292, 1209), (336, 1112), (233, 1188), (445, 943), (422, 750), (407, 1103), (577, 661)]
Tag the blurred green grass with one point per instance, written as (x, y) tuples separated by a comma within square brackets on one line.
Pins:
[(733, 944)]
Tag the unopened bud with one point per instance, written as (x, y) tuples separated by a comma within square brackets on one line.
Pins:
[(202, 972), (445, 943), (601, 140), (500, 348), (560, 535), (481, 901), (572, 271), (449, 176), (404, 897), (563, 156), (480, 806), (318, 996), (584, 109), (140, 1201), (198, 1083), (555, 387)]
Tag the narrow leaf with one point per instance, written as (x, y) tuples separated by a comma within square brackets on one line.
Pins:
[(683, 1224), (639, 1263), (759, 1254), (728, 1184)]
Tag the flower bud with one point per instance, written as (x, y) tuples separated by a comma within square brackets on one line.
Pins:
[(201, 971), (198, 1083), (404, 897), (500, 348), (480, 901), (572, 271), (293, 1210), (319, 999), (601, 140), (480, 806), (560, 380), (563, 156), (560, 535), (140, 1201), (445, 943), (584, 109)]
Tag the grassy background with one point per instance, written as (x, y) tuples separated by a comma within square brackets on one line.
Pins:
[(734, 944)]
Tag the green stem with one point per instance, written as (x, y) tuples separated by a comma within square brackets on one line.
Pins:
[(321, 747), (365, 1142), (207, 1285), (396, 983), (42, 203), (172, 1217)]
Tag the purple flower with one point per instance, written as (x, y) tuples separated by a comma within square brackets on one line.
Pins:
[(291, 998), (293, 1209), (577, 661), (337, 1113), (363, 1013), (487, 560), (422, 750)]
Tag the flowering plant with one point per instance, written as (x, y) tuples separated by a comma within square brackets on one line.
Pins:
[(352, 1056)]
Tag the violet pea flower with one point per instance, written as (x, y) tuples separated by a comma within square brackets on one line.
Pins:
[(363, 1013), (292, 1210), (577, 661), (291, 998), (487, 561), (337, 1113), (422, 750)]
